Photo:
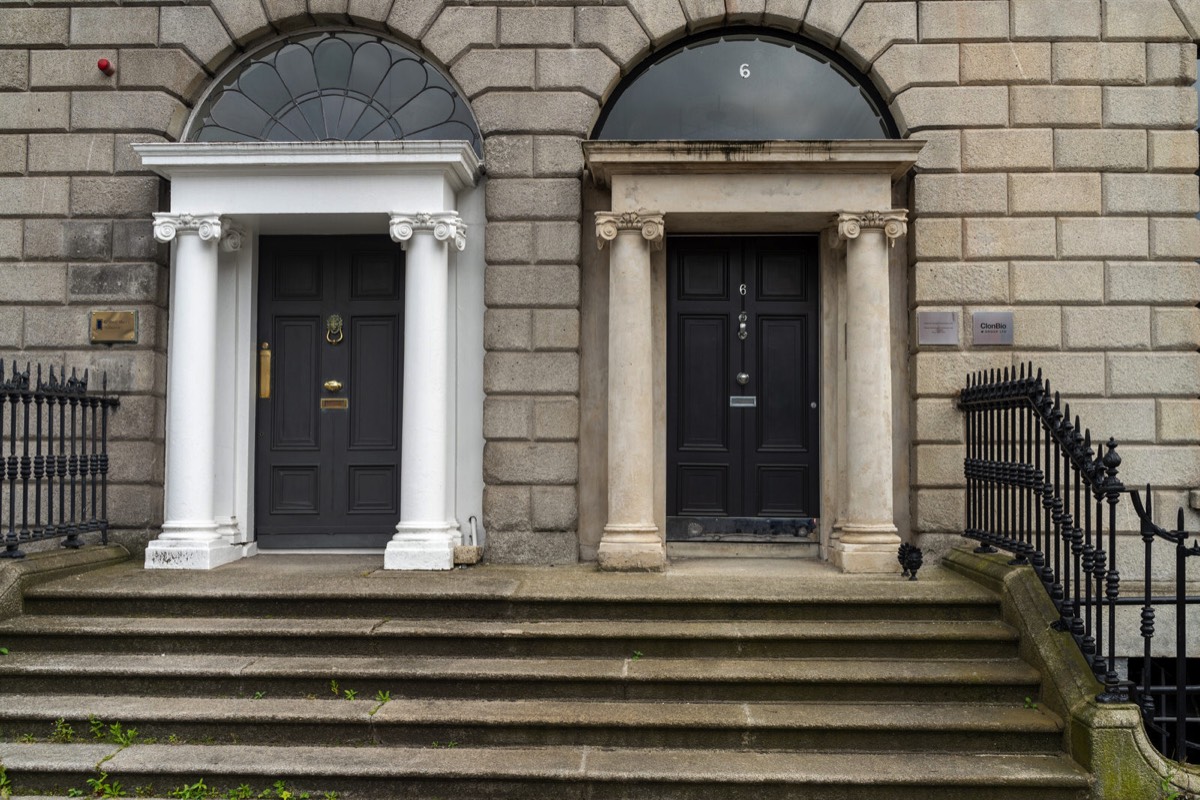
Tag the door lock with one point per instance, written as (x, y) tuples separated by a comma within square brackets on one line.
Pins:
[(333, 386)]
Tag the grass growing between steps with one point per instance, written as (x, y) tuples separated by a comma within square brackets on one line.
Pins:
[(102, 786), (115, 733)]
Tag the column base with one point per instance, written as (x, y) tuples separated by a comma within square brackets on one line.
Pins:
[(866, 549), (178, 553), (422, 545), (627, 549)]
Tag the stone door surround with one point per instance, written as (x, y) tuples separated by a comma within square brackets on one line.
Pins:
[(406, 188), (844, 187)]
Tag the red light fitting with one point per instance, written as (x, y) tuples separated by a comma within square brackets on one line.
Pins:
[(105, 66)]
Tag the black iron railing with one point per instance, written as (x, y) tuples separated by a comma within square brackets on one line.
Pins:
[(1039, 489), (54, 480)]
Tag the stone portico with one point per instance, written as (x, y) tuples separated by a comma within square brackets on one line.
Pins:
[(844, 188)]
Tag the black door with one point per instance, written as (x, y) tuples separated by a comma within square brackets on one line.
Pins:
[(742, 391), (330, 312)]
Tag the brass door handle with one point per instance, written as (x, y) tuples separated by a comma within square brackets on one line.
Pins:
[(333, 386), (264, 371)]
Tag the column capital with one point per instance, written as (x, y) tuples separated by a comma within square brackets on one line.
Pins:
[(168, 225), (444, 225), (609, 224), (231, 238), (893, 222)]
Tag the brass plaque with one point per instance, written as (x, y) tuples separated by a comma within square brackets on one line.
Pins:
[(108, 327), (334, 403)]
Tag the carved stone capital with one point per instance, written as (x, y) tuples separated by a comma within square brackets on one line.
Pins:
[(231, 240), (894, 223), (446, 226), (610, 224), (168, 225)]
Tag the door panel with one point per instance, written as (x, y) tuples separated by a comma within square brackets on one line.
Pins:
[(375, 412), (741, 456), (782, 357), (703, 489), (328, 459), (704, 363), (295, 358)]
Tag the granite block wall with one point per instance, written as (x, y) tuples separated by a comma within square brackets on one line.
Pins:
[(1058, 182)]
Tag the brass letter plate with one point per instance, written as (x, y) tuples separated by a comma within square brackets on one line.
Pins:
[(334, 403), (107, 327)]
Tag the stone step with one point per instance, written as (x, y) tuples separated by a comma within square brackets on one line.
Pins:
[(612, 638), (928, 727), (550, 772), (491, 608), (744, 679), (288, 590)]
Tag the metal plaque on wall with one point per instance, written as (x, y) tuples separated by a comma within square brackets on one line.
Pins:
[(110, 327), (937, 327), (992, 328)]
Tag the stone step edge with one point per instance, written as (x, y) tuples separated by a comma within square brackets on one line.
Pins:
[(189, 762), (1011, 671), (758, 716), (767, 630)]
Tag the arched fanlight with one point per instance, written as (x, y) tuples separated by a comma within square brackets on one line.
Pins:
[(748, 85), (334, 86)]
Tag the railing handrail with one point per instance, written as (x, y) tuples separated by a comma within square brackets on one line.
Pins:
[(1034, 496)]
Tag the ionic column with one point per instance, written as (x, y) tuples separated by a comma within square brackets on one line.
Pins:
[(189, 538), (631, 540), (869, 540), (424, 538)]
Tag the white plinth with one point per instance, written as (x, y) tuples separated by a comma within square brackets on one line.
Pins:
[(191, 554), (418, 546)]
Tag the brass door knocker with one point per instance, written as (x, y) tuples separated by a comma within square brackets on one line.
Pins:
[(333, 329)]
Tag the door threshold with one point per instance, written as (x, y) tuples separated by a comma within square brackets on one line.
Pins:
[(322, 551), (740, 529), (761, 550)]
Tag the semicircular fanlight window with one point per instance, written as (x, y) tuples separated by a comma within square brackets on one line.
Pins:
[(334, 86), (743, 86)]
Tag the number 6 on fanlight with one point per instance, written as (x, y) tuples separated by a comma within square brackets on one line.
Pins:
[(744, 70)]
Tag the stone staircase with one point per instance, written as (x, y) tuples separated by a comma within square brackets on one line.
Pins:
[(510, 683)]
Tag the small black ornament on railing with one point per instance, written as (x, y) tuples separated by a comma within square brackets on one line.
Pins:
[(57, 488), (1038, 488), (910, 559)]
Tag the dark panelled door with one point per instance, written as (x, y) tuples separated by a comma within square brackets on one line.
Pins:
[(742, 386), (330, 310)]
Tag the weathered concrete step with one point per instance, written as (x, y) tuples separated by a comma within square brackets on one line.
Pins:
[(618, 638), (746, 679), (341, 607), (340, 587), (928, 727), (553, 772)]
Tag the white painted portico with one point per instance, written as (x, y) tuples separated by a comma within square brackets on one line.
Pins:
[(845, 188), (222, 197)]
